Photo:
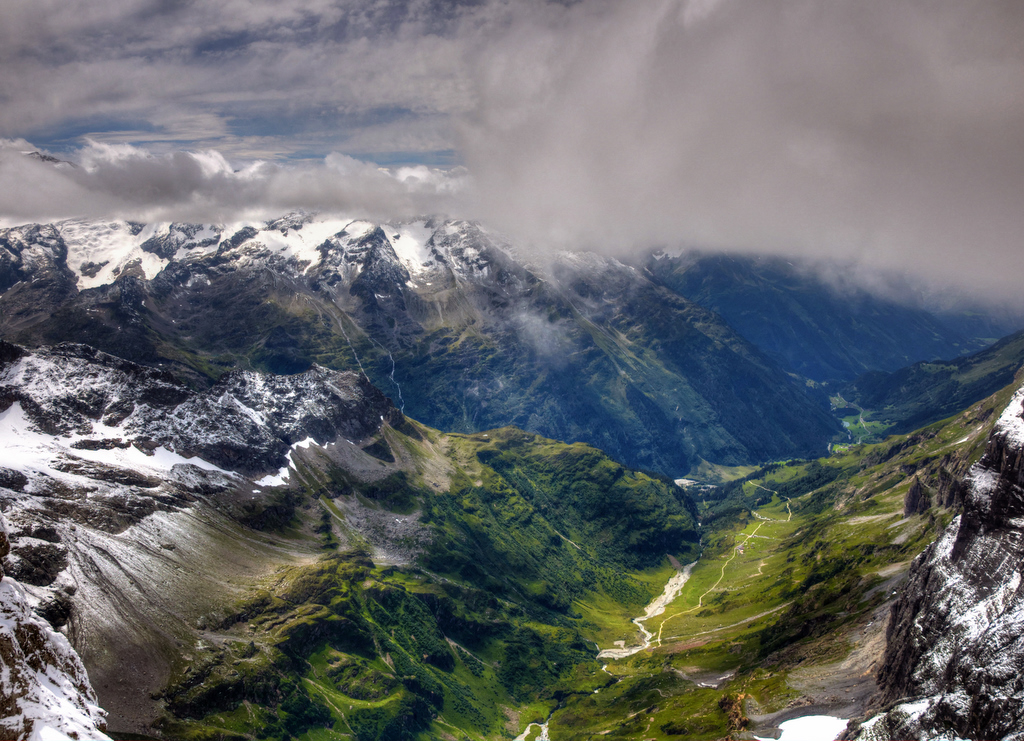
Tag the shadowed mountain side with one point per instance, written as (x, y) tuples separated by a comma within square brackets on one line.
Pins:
[(814, 328), (441, 315), (926, 392)]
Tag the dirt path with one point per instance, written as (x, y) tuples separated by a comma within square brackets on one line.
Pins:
[(769, 519), (734, 625), (735, 551), (721, 576)]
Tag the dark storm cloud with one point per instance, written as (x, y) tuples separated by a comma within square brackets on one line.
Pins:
[(885, 134)]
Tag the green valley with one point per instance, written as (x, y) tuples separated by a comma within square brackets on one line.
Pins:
[(489, 622), (540, 553), (928, 391)]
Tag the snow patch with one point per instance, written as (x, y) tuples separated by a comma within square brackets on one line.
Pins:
[(1011, 421), (110, 245), (282, 476), (25, 449), (410, 244), (810, 728)]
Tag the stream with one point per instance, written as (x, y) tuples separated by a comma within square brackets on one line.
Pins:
[(543, 732), (657, 607)]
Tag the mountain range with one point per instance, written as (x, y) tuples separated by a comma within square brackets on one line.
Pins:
[(326, 478), (463, 332)]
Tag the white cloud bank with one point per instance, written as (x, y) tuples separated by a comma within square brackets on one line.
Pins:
[(885, 132), (126, 182)]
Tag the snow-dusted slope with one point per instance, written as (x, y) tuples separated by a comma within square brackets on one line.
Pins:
[(954, 664), (100, 251), (135, 502), (73, 402), (393, 299), (45, 693)]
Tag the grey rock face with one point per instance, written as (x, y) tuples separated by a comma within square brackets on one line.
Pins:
[(43, 684), (954, 664), (917, 500), (246, 422), (34, 276)]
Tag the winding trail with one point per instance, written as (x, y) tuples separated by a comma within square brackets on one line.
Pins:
[(678, 581), (769, 519), (721, 576), (735, 550), (744, 621)]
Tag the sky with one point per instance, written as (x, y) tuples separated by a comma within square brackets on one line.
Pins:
[(887, 135)]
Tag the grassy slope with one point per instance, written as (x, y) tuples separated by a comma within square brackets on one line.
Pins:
[(793, 563), (534, 559), (529, 535)]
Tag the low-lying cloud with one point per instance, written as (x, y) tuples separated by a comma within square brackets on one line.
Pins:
[(886, 133), (126, 182)]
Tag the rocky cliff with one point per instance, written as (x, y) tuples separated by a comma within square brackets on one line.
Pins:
[(954, 663), (128, 496), (44, 690)]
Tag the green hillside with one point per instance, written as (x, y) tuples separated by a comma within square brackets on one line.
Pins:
[(538, 554), (476, 634), (925, 392), (785, 610)]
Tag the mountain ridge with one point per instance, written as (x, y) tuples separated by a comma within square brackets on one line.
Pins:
[(440, 314)]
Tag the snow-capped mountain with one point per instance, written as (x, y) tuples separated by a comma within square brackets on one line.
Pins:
[(444, 316)]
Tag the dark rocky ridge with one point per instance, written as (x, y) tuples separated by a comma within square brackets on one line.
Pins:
[(246, 422), (826, 332), (954, 662)]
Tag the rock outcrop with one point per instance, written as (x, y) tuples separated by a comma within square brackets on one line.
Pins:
[(246, 422), (44, 690), (954, 663), (917, 500)]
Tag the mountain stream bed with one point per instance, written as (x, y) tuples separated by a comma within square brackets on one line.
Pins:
[(656, 607)]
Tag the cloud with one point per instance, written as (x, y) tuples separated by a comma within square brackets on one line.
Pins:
[(127, 182), (305, 76), (886, 133)]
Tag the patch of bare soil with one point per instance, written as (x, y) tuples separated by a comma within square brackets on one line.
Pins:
[(395, 538)]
